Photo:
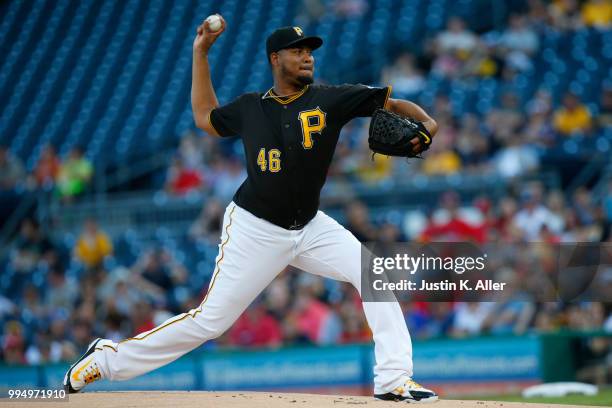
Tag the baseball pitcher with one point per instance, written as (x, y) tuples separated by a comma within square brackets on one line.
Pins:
[(289, 134)]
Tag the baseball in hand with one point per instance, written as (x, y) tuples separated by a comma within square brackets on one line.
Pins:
[(214, 23)]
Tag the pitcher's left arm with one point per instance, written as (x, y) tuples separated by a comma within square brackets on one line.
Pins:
[(414, 111)]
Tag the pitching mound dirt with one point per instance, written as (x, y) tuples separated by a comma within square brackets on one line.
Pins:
[(249, 400)]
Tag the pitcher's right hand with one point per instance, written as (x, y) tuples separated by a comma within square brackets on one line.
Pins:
[(205, 38)]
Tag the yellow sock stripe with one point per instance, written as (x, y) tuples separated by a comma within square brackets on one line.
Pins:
[(185, 315)]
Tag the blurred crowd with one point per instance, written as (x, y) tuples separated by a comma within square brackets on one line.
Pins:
[(508, 139), (509, 142), (66, 177), (562, 14), (50, 314)]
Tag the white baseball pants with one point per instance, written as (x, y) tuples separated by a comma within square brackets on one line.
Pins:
[(251, 254)]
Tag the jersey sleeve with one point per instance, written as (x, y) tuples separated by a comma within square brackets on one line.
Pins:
[(361, 100), (227, 119)]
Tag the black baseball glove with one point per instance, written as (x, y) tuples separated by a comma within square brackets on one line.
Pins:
[(392, 135)]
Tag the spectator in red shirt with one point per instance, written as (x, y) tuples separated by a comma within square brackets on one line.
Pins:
[(256, 328), (142, 318), (182, 180), (354, 327), (47, 168), (316, 320), (13, 343), (454, 228)]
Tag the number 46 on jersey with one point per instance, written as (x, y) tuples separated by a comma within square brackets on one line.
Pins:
[(311, 121)]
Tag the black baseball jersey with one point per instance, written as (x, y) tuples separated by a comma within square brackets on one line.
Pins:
[(289, 144)]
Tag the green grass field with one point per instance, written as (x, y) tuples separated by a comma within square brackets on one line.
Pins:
[(603, 398)]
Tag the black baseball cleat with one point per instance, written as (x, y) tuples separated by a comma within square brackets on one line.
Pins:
[(409, 392), (83, 372)]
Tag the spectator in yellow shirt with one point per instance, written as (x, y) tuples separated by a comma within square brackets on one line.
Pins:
[(373, 170), (572, 117), (597, 13), (93, 245), (441, 163), (441, 159)]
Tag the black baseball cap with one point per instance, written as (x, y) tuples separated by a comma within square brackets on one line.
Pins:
[(287, 37)]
